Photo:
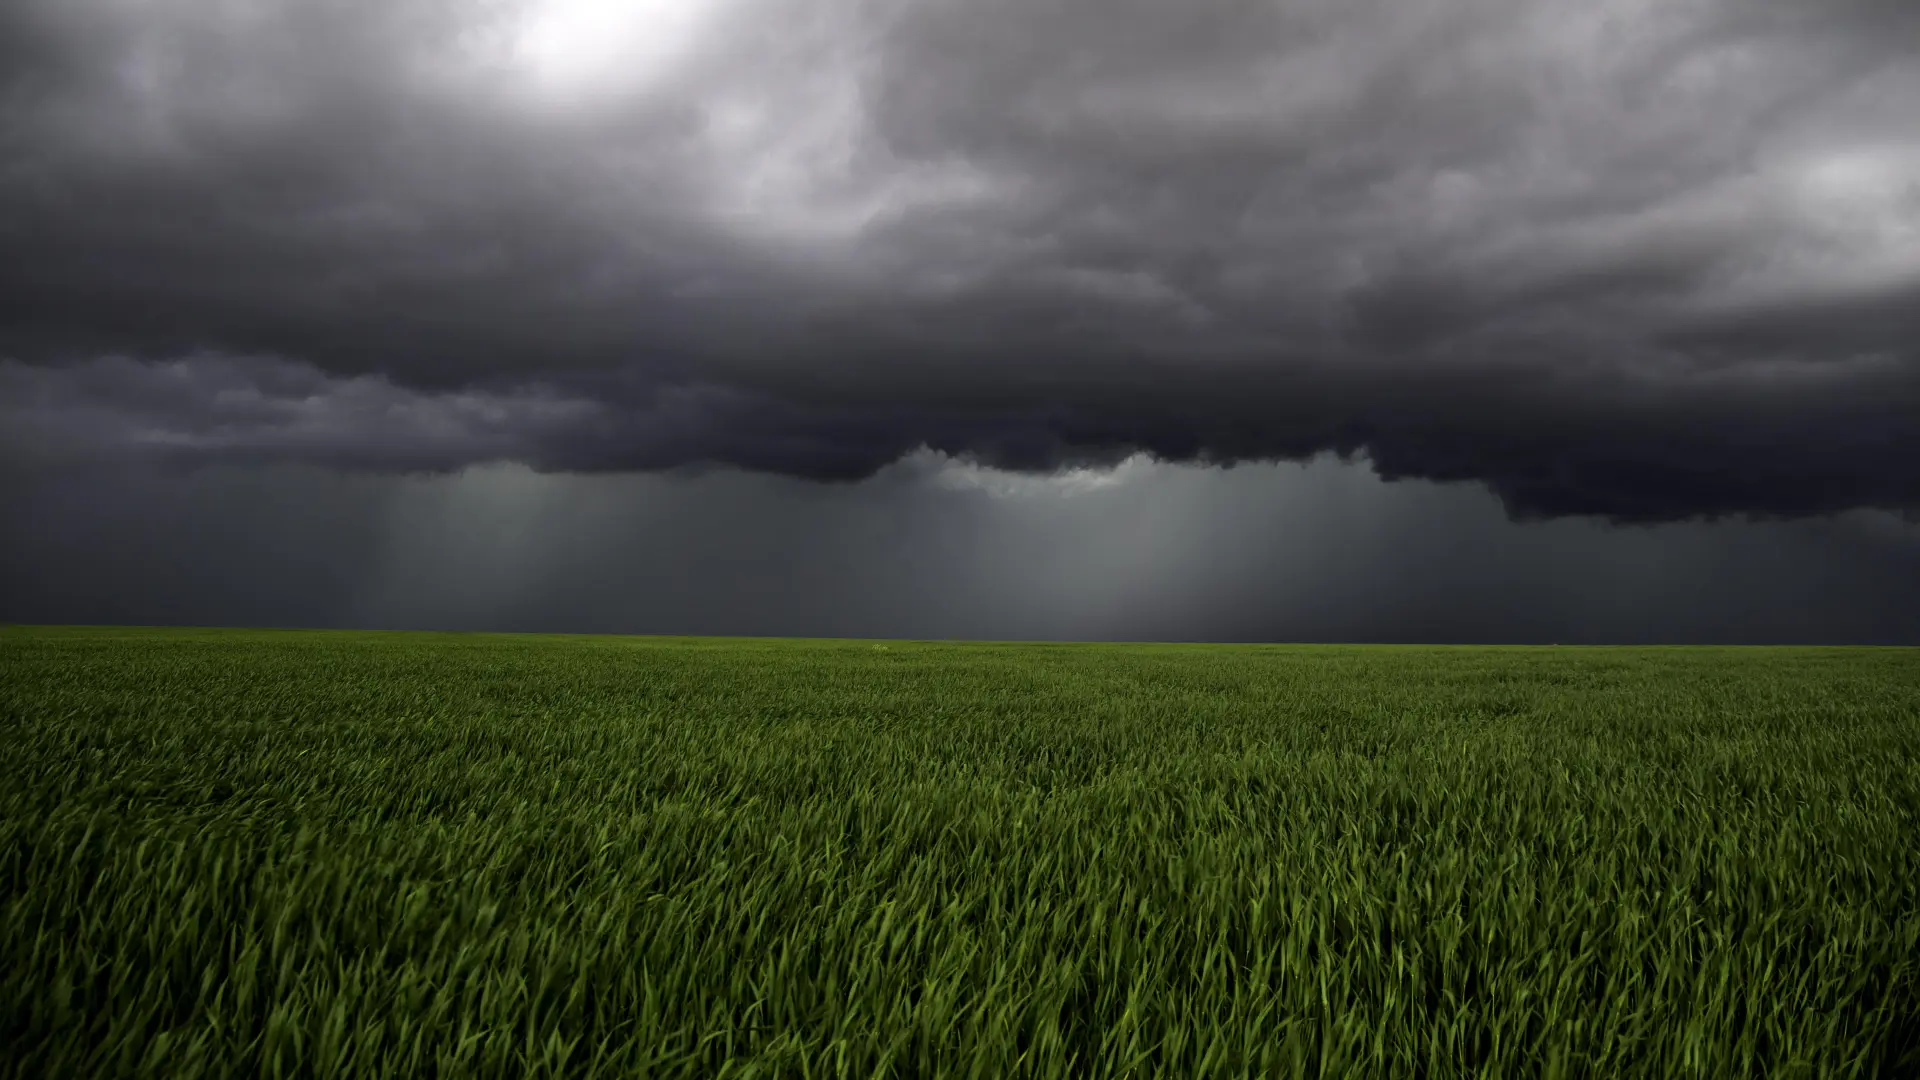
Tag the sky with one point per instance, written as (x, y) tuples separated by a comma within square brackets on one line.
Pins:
[(1332, 320)]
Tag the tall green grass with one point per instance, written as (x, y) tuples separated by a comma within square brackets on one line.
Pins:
[(291, 854)]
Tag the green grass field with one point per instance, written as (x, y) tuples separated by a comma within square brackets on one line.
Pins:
[(238, 853)]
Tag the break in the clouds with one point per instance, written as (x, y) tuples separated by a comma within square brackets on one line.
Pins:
[(1642, 260)]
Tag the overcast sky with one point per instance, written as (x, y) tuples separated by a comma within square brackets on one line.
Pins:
[(1527, 320)]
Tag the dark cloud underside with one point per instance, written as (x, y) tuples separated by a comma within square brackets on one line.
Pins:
[(1648, 261)]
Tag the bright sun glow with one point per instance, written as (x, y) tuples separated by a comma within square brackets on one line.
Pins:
[(583, 46)]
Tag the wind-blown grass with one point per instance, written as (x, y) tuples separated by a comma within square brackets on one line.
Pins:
[(230, 853)]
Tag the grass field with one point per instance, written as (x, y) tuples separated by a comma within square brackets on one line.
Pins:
[(231, 853)]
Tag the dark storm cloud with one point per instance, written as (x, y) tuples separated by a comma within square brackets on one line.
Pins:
[(1646, 261)]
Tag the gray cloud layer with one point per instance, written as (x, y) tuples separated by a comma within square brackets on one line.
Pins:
[(1641, 260)]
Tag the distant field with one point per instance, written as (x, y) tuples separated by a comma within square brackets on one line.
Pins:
[(236, 853)]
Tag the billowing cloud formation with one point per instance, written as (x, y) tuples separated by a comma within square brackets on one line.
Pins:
[(1647, 261)]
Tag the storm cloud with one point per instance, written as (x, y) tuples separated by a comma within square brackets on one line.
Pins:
[(1641, 261)]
